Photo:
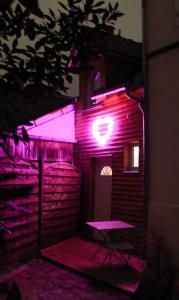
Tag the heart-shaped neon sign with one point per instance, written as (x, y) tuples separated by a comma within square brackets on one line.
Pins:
[(96, 129)]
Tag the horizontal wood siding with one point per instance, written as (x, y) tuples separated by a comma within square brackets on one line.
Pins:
[(52, 151), (127, 188), (61, 203), (18, 187), (46, 223)]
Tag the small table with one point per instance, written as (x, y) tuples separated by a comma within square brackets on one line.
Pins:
[(110, 225), (104, 227)]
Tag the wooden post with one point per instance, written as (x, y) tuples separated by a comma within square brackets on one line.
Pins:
[(41, 185)]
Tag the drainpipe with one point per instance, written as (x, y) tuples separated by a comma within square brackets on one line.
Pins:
[(140, 101)]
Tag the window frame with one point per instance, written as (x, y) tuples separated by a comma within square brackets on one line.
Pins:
[(109, 173), (129, 157)]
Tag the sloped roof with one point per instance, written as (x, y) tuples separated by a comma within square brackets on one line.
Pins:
[(119, 46), (123, 58), (110, 45)]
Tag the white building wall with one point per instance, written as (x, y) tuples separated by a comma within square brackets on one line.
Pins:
[(161, 28), (163, 98)]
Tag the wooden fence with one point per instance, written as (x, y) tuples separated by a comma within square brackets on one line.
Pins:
[(61, 205), (39, 206)]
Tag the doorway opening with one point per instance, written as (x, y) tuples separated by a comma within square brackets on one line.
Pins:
[(102, 190)]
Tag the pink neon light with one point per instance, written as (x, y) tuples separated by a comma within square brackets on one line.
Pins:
[(98, 127), (120, 89)]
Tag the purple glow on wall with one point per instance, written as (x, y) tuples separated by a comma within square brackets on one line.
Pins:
[(102, 129)]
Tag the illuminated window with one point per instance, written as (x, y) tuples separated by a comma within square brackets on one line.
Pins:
[(135, 156), (106, 171), (131, 157)]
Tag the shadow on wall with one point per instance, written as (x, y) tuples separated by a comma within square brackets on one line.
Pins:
[(11, 290), (158, 278)]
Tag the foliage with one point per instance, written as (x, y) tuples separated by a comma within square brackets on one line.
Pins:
[(41, 66)]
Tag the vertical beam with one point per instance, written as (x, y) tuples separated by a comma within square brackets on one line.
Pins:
[(41, 187), (146, 116)]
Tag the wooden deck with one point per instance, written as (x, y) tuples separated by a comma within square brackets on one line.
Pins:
[(77, 254)]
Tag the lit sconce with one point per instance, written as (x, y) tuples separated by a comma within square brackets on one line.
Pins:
[(102, 129)]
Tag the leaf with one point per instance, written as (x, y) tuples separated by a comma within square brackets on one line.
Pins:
[(65, 57), (116, 15), (95, 19), (51, 24), (5, 67), (48, 18), (15, 43), (99, 10), (6, 48), (69, 78), (25, 134), (41, 42), (31, 49), (18, 10), (4, 4), (63, 6), (17, 50), (18, 34), (88, 7), (29, 55), (116, 6), (90, 2), (119, 14), (105, 15), (52, 13), (2, 24), (32, 6), (70, 3), (99, 3), (31, 36), (110, 7)]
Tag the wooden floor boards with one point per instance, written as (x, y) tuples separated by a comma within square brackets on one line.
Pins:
[(77, 254)]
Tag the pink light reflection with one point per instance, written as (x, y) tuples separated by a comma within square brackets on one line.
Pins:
[(120, 89), (102, 129)]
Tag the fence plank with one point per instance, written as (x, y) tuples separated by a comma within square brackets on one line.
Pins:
[(61, 205)]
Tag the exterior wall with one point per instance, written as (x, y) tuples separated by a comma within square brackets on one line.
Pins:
[(161, 29), (163, 91), (127, 188)]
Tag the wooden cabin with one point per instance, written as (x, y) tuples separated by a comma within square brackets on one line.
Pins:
[(109, 153), (109, 134)]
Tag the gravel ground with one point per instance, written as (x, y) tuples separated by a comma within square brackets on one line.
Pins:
[(42, 280)]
